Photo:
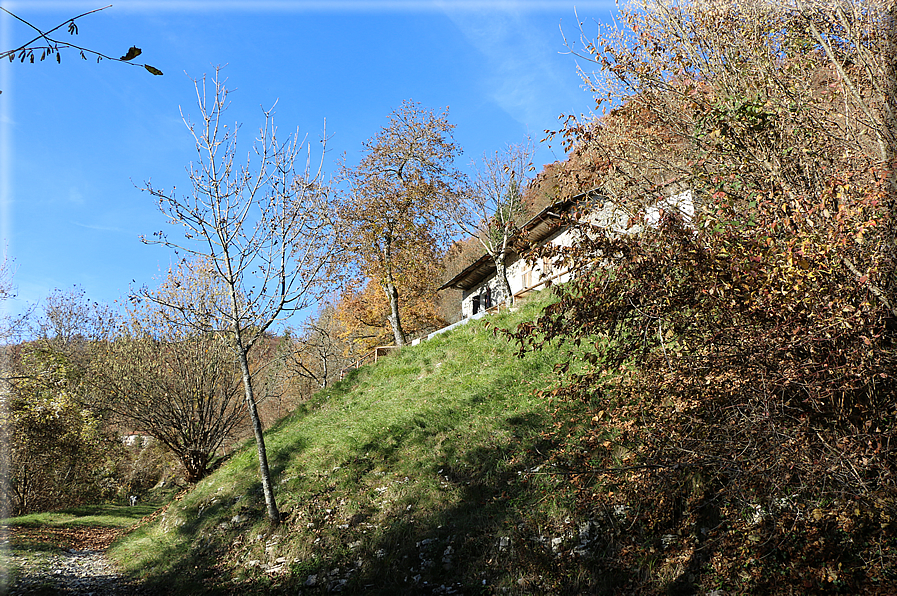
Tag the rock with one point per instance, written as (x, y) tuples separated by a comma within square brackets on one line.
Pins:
[(338, 585), (585, 531)]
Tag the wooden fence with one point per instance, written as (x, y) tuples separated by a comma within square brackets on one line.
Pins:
[(371, 356)]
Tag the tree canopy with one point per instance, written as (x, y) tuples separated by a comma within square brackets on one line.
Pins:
[(393, 203), (189, 397)]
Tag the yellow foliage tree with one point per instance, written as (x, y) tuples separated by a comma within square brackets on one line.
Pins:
[(393, 204)]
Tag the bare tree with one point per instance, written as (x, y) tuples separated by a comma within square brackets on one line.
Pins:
[(492, 208), (9, 326), (317, 352), (263, 227), (189, 399), (72, 320), (6, 271)]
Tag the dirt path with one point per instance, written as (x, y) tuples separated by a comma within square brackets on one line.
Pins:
[(64, 561)]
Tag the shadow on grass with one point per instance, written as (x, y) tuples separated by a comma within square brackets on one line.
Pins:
[(488, 538), (109, 515), (436, 546), (187, 564), (34, 546)]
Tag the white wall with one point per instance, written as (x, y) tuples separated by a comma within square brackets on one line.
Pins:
[(607, 216), (521, 276)]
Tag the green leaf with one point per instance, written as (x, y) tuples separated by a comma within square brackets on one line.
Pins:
[(152, 69), (133, 52)]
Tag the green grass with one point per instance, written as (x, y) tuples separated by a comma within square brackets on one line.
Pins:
[(407, 471), (106, 515)]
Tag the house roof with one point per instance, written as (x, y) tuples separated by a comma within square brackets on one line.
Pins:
[(539, 227)]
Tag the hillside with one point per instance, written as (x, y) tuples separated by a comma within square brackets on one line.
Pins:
[(408, 476), (455, 467)]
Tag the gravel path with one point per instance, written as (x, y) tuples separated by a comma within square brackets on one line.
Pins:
[(81, 572), (77, 566)]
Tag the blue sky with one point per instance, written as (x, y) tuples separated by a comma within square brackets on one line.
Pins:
[(78, 139)]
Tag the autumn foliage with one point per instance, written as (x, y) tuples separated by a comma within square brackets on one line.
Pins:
[(393, 206), (363, 313), (733, 407)]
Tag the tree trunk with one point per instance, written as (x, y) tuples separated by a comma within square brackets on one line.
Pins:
[(324, 367), (501, 274), (264, 470), (890, 112), (394, 319), (195, 462)]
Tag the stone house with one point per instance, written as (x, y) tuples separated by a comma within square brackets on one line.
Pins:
[(478, 283)]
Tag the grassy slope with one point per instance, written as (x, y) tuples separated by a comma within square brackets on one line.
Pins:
[(402, 477)]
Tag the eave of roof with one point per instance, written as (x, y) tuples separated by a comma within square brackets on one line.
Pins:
[(539, 227)]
